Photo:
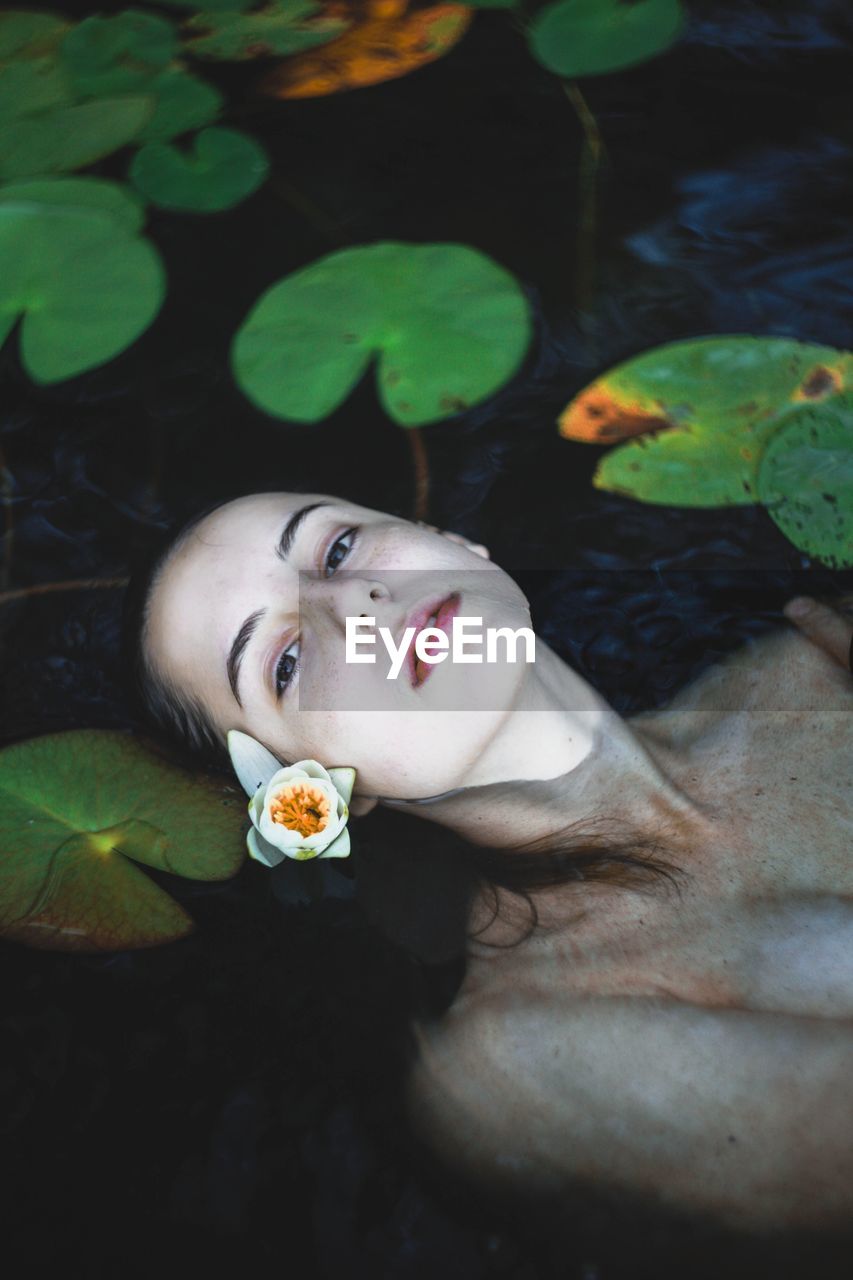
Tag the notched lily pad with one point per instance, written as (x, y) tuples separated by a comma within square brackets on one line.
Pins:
[(83, 284), (96, 194), (112, 55), (220, 168), (591, 37), (69, 137), (29, 35), (391, 41), (27, 87), (702, 411), (447, 325), (806, 480), (78, 811), (279, 27), (211, 6), (181, 103)]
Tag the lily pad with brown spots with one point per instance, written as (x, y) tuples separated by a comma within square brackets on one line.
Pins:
[(446, 325), (806, 480), (391, 41), (702, 411), (279, 27), (80, 814)]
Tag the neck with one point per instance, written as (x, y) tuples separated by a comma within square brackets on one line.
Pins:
[(562, 756)]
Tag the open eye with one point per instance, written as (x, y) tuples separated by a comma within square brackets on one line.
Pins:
[(339, 550), (286, 667)]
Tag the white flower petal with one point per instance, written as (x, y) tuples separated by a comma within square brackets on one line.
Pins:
[(253, 764), (339, 848), (344, 780), (256, 805), (262, 851), (287, 773), (314, 769), (270, 842)]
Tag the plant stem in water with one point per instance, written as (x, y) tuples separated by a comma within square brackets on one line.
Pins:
[(327, 226), (420, 463), (8, 525), (592, 152), (75, 584)]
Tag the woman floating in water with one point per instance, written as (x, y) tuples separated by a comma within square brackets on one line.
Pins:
[(679, 1023)]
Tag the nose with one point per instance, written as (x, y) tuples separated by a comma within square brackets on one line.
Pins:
[(351, 597)]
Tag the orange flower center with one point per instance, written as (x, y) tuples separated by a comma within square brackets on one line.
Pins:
[(301, 807)]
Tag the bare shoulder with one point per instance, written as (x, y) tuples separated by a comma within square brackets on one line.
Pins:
[(781, 675), (744, 1116)]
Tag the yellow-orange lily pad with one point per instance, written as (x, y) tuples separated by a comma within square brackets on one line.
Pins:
[(390, 42), (701, 411)]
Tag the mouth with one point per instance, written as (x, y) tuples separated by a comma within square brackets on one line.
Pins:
[(436, 613)]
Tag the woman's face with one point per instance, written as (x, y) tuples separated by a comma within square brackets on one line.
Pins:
[(249, 617)]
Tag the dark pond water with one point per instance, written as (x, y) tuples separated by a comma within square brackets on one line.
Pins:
[(229, 1100)]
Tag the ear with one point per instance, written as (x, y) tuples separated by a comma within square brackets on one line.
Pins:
[(360, 806), (476, 547)]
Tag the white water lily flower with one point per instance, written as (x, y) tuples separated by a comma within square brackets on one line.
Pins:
[(298, 811)]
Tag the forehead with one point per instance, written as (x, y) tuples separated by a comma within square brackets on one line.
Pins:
[(241, 521)]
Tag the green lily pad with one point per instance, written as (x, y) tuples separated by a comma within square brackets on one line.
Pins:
[(702, 411), (182, 103), (108, 56), (211, 6), (447, 325), (222, 168), (84, 286), (591, 37), (32, 85), (79, 193), (280, 27), (25, 34), (69, 137), (78, 811), (806, 480)]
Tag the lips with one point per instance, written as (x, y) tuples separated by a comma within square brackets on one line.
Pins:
[(438, 613)]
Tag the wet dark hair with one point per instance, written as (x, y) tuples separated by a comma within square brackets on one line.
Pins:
[(180, 717), (581, 852)]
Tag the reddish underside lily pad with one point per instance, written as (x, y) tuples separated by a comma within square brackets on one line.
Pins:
[(702, 411), (78, 812)]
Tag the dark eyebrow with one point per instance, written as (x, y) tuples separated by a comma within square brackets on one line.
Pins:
[(291, 529), (282, 549)]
